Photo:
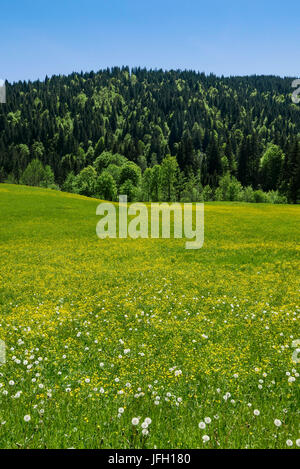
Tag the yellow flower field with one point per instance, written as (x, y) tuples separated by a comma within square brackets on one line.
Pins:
[(101, 332)]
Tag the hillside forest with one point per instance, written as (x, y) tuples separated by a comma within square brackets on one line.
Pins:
[(154, 135)]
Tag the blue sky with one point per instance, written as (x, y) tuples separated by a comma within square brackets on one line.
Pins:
[(229, 37)]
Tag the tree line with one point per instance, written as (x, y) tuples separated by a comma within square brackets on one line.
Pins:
[(114, 131)]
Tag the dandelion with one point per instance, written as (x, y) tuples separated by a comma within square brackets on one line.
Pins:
[(256, 412), (289, 443), (135, 421), (207, 420), (27, 418), (277, 422), (205, 438), (202, 425)]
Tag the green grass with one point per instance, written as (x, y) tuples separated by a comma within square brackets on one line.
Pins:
[(70, 305)]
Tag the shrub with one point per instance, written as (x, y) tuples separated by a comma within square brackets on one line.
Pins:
[(275, 198), (48, 178), (219, 194), (248, 194), (229, 189), (207, 194), (11, 179), (69, 184), (260, 197)]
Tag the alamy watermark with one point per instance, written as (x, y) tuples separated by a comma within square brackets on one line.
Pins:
[(166, 220), (2, 352), (2, 92), (296, 93)]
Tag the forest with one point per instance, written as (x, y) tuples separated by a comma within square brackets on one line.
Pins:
[(154, 135)]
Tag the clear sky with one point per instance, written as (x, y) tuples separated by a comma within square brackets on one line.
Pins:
[(229, 37)]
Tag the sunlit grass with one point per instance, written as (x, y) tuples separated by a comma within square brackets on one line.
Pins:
[(92, 326)]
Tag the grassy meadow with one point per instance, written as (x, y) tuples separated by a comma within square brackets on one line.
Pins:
[(100, 332)]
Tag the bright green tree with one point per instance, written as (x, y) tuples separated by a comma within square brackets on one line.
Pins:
[(169, 171), (48, 179), (128, 188), (85, 181), (106, 158), (69, 184), (130, 171), (33, 174), (156, 183), (106, 186), (146, 184), (271, 165)]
